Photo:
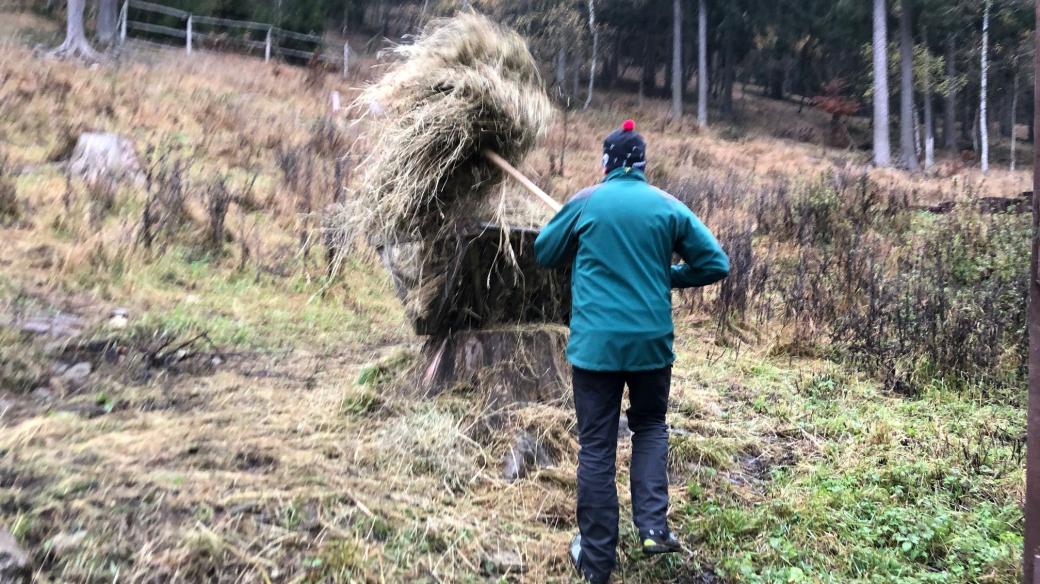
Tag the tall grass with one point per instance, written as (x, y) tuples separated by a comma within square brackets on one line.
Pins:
[(846, 268)]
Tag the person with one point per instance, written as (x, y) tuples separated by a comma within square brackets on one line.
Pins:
[(620, 237)]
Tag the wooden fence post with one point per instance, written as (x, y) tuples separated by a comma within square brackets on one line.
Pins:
[(346, 58), (188, 45), (267, 46), (125, 14)]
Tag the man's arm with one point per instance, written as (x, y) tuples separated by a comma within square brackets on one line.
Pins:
[(558, 240), (705, 262)]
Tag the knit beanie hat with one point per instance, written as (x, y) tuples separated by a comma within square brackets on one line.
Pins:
[(624, 147)]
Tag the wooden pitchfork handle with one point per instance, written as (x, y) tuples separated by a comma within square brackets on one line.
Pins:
[(523, 180)]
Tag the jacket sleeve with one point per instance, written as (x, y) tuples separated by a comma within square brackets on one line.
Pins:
[(558, 240), (705, 262)]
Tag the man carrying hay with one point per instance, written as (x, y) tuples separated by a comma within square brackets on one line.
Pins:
[(621, 236)]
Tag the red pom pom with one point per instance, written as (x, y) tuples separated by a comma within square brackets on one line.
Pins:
[(628, 125)]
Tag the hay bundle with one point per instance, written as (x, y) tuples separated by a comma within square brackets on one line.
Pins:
[(466, 85)]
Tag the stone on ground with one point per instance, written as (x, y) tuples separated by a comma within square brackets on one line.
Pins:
[(14, 562), (104, 156)]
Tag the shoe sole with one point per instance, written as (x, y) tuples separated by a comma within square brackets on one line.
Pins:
[(659, 550)]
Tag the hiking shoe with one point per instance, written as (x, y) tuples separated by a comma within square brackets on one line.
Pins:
[(660, 542)]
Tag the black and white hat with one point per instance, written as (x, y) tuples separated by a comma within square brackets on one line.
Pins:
[(624, 147)]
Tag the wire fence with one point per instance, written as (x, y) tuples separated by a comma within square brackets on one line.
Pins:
[(153, 22)]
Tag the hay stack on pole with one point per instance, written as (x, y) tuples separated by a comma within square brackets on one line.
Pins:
[(461, 108)]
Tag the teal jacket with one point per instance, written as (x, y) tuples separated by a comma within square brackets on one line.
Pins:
[(621, 236)]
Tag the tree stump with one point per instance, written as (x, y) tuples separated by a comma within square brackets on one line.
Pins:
[(511, 365), (491, 322)]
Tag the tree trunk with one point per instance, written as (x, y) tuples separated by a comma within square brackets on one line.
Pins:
[(514, 364), (575, 79), (975, 145), (929, 117), (983, 119), (561, 71), (648, 78), (595, 52), (677, 73), (702, 64), (1014, 108), (668, 76), (76, 44), (882, 143), (728, 73), (950, 125), (107, 22), (611, 73), (908, 154)]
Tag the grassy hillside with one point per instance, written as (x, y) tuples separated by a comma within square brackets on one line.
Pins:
[(244, 425)]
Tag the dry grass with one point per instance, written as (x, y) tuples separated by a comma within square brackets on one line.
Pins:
[(279, 467), (466, 85)]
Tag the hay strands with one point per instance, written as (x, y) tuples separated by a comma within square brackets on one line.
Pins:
[(523, 180)]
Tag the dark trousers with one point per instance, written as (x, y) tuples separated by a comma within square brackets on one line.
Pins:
[(597, 402)]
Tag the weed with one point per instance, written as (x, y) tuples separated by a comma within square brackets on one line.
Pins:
[(387, 370), (22, 364), (362, 401), (10, 206)]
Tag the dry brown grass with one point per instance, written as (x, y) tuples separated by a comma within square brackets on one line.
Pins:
[(464, 86), (278, 467)]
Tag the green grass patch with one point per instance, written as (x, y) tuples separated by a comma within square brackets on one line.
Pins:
[(887, 489)]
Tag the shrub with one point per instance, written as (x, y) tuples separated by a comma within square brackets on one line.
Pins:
[(847, 267), (10, 207)]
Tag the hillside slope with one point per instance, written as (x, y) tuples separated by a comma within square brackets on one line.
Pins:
[(244, 425)]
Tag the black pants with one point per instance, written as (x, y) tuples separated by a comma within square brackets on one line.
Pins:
[(597, 402)]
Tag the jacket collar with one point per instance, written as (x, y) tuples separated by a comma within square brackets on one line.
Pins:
[(623, 173)]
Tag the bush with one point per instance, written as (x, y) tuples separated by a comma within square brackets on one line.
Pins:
[(848, 268), (10, 207)]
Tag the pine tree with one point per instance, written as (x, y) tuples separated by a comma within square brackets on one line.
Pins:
[(907, 151), (677, 71), (702, 64), (882, 141), (983, 114)]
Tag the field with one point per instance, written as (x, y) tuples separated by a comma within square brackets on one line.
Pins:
[(848, 408)]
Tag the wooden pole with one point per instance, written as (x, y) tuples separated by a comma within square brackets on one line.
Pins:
[(267, 46), (187, 46), (523, 180), (1032, 502), (346, 58)]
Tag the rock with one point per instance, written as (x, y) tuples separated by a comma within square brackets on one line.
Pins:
[(624, 432), (57, 325), (14, 562), (119, 318), (78, 373), (105, 155), (504, 562), (525, 456), (673, 431), (65, 544), (72, 378)]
